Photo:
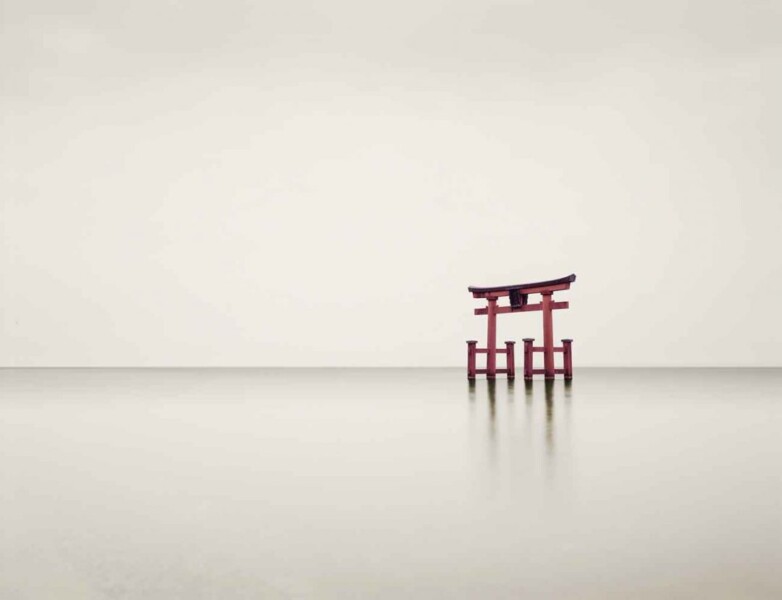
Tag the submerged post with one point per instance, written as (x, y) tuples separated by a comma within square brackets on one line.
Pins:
[(510, 359), (528, 358), (471, 344), (567, 354)]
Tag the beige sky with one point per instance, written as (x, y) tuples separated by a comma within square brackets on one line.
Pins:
[(316, 183)]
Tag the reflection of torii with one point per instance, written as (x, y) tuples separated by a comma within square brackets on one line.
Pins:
[(518, 295)]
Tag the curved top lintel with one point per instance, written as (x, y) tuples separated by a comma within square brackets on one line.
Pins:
[(522, 286)]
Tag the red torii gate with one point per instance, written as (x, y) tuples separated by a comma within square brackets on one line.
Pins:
[(518, 295)]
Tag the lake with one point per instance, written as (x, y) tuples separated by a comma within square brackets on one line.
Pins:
[(389, 483)]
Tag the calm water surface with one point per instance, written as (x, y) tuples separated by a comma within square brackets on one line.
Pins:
[(334, 484)]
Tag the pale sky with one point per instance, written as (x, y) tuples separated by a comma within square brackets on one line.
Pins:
[(317, 183)]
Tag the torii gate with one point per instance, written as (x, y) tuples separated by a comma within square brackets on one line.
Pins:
[(518, 295)]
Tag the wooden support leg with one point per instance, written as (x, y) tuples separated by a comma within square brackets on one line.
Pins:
[(510, 357), (548, 337), (491, 340), (471, 345), (528, 358), (567, 355)]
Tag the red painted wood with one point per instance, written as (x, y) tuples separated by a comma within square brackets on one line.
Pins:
[(543, 371), (511, 359), (526, 308), (471, 344), (538, 290), (491, 339), (548, 337), (568, 358), (524, 287), (528, 358), (518, 297)]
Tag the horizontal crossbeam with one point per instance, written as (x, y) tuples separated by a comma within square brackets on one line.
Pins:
[(543, 371), (525, 308), (543, 349)]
